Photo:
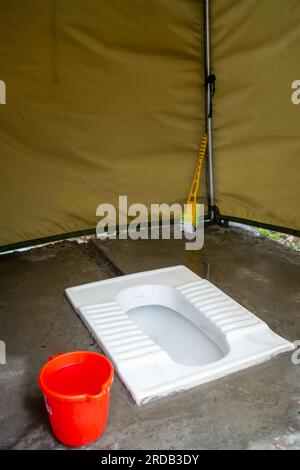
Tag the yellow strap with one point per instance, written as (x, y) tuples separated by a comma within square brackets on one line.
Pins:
[(195, 184)]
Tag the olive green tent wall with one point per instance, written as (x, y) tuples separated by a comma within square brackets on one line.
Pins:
[(256, 57), (104, 97)]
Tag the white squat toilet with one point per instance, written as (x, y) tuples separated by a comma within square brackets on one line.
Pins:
[(168, 330)]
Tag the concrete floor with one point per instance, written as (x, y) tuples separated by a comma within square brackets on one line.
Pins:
[(254, 409)]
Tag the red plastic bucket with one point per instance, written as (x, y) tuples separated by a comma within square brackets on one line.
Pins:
[(76, 387)]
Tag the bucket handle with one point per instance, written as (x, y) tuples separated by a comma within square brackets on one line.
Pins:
[(98, 395), (53, 357)]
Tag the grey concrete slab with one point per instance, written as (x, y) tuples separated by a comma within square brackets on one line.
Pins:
[(256, 408)]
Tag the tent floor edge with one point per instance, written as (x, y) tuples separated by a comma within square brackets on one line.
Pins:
[(223, 221), (64, 236), (44, 240)]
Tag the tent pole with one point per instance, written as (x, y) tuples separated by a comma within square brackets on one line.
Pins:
[(208, 117)]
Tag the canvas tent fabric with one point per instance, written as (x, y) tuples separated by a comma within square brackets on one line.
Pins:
[(106, 97), (255, 56)]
